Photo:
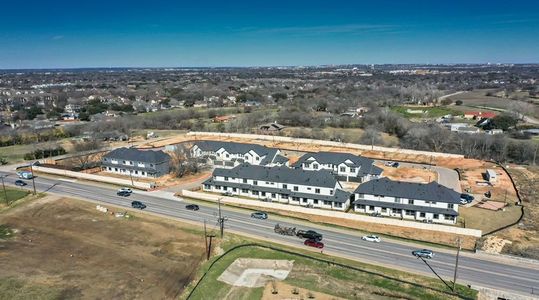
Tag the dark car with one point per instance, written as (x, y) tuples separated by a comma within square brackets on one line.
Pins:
[(309, 234), (395, 165), (466, 198), (314, 243), (138, 204), (123, 193), (259, 215), (424, 253), (20, 183), (192, 207)]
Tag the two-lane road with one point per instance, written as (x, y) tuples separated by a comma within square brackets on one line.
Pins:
[(474, 270)]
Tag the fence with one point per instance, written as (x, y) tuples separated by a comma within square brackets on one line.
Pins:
[(325, 143), (93, 177), (334, 214)]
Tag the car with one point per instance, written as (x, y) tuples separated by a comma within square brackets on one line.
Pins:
[(20, 182), (125, 190), (123, 193), (314, 243), (227, 193), (388, 163), (138, 204), (395, 165), (309, 234), (466, 198), (259, 215), (371, 238), (424, 253), (192, 207)]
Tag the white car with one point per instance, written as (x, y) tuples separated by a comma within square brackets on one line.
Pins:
[(128, 190), (371, 238), (388, 163)]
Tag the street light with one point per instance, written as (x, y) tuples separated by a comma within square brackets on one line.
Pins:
[(4, 187)]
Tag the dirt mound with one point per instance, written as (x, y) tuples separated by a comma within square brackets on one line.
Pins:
[(494, 244)]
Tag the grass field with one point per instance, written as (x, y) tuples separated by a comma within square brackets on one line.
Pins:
[(66, 249), (429, 112), (488, 220), (321, 277), (12, 195)]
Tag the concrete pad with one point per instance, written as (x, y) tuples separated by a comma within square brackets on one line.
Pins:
[(250, 272)]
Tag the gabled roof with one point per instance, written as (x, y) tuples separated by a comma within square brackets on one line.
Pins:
[(236, 148), (134, 154), (279, 159), (336, 158), (431, 191), (287, 175)]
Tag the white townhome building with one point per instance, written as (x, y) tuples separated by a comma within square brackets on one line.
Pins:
[(345, 166), (136, 163), (230, 154), (408, 200), (317, 189)]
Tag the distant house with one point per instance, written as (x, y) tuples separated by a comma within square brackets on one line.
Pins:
[(345, 166), (317, 189), (408, 200), (479, 115), (136, 163), (494, 131), (230, 154), (492, 177), (468, 130), (271, 127), (223, 119)]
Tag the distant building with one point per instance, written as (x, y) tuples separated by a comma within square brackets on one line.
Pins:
[(479, 115), (136, 163), (494, 131), (492, 177), (230, 154), (223, 119)]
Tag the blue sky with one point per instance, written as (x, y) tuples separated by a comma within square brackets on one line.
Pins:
[(70, 34)]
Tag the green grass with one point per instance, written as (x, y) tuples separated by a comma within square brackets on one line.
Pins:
[(430, 112), (319, 276), (5, 232), (16, 289), (12, 195)]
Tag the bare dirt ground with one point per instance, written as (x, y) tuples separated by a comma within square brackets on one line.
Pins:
[(409, 174), (288, 292), (68, 246)]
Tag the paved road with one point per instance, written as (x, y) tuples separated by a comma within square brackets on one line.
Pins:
[(474, 269)]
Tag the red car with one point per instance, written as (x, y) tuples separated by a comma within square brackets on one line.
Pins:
[(314, 243)]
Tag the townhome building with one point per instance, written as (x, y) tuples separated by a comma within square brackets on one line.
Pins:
[(317, 189), (430, 202), (230, 154), (136, 163), (345, 166)]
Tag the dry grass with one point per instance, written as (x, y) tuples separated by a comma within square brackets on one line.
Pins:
[(488, 220), (68, 246)]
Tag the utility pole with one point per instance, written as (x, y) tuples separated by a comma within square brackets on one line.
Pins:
[(33, 180), (4, 187), (131, 176), (221, 219), (456, 264), (535, 154), (206, 236)]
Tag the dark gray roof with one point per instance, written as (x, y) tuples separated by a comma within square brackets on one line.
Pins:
[(336, 158), (280, 159), (320, 178), (239, 148), (134, 154), (435, 210), (339, 196), (421, 191)]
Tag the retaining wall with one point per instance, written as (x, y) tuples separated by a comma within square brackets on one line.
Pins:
[(334, 214), (325, 143), (93, 177)]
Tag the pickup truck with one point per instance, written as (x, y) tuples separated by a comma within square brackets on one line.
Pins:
[(309, 234)]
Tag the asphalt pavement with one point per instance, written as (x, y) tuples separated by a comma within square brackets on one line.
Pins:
[(476, 270)]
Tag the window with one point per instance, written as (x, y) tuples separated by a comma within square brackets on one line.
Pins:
[(244, 180), (435, 216), (317, 191), (304, 200), (361, 195), (342, 169), (245, 191), (227, 156), (315, 166), (370, 208), (308, 188), (384, 209), (315, 201), (217, 187), (449, 217), (116, 169), (397, 210), (263, 194), (295, 188), (254, 193), (327, 202), (295, 199), (226, 178), (234, 189), (207, 186), (124, 162), (285, 186), (397, 200), (284, 196), (136, 172), (273, 195), (255, 182), (267, 182), (143, 173), (331, 192), (257, 158), (338, 205), (410, 201), (450, 205), (352, 170), (410, 212), (422, 215)]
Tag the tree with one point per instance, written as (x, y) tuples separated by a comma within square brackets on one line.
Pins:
[(84, 160), (458, 102), (504, 122), (446, 101), (182, 161)]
